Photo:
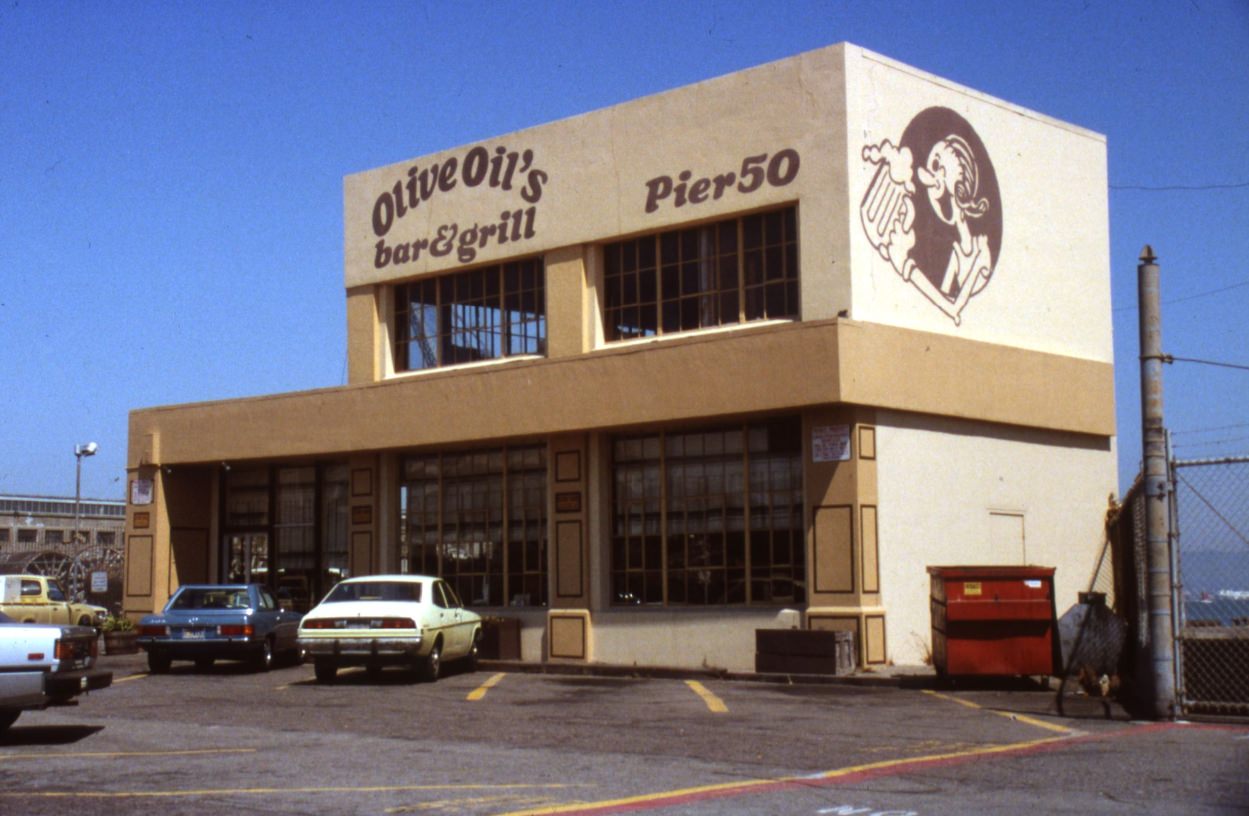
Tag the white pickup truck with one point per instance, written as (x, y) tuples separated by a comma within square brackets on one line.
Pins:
[(45, 664)]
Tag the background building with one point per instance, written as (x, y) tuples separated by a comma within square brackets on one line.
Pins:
[(749, 353), (69, 540)]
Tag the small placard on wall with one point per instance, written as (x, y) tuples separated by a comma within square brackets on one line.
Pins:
[(830, 443), (142, 519), (141, 491)]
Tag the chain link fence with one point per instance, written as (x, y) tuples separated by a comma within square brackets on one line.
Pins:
[(1210, 525), (1209, 521)]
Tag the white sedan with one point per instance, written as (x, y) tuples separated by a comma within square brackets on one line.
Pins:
[(409, 620)]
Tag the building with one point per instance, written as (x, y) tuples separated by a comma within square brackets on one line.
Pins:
[(745, 354), (72, 540), (31, 524)]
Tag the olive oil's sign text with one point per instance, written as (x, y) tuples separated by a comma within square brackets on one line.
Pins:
[(501, 169)]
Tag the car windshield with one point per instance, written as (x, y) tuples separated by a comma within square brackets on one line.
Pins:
[(375, 591), (211, 598)]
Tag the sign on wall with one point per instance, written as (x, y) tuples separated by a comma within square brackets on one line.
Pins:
[(830, 443), (933, 209), (141, 491), (511, 174)]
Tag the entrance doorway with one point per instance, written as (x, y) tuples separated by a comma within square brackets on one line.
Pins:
[(285, 526)]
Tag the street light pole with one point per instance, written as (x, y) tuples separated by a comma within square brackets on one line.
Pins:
[(80, 451)]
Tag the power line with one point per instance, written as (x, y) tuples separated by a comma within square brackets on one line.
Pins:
[(1210, 443), (1211, 429), (1205, 294), (1167, 358), (1168, 188)]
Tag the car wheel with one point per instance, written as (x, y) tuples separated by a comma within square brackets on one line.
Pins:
[(158, 663), (84, 621), (8, 716), (264, 658), (203, 663), (432, 665), (474, 652), (326, 670)]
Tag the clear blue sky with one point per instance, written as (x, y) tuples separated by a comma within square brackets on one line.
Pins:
[(171, 173)]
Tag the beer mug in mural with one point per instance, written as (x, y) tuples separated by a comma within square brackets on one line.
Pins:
[(888, 207)]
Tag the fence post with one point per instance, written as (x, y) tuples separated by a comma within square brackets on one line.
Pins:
[(1155, 494)]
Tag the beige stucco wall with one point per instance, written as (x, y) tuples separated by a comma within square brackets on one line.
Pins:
[(1050, 289), (750, 370), (587, 176), (939, 482), (686, 638)]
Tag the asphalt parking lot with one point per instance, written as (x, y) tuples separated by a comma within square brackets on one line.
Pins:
[(503, 741)]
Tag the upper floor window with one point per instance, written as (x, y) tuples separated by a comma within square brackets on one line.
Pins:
[(482, 314), (695, 278)]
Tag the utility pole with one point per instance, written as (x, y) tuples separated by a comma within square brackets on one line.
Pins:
[(1156, 490)]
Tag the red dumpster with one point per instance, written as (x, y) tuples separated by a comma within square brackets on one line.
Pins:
[(993, 620)]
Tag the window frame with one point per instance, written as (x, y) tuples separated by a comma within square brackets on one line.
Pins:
[(719, 273), (487, 313), (480, 503), (678, 502)]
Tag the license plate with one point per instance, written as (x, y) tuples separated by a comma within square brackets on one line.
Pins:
[(192, 634)]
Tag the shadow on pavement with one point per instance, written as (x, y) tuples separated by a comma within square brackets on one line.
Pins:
[(47, 734)]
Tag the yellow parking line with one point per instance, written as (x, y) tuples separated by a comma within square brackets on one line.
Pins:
[(139, 676), (458, 804), (129, 754), (480, 691), (1010, 715), (270, 791), (714, 703), (691, 795), (307, 672)]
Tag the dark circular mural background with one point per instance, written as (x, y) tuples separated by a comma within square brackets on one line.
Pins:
[(934, 239)]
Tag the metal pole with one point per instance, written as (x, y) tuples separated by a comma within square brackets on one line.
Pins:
[(77, 496), (1156, 492)]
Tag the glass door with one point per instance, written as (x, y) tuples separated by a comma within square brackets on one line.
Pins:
[(246, 558), (295, 531)]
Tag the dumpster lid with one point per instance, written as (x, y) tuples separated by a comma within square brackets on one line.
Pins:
[(991, 571)]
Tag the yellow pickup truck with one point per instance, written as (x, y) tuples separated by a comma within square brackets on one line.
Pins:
[(40, 599)]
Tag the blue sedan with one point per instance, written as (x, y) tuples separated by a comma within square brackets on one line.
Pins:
[(204, 622)]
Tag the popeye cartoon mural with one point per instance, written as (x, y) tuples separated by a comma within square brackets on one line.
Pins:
[(938, 223)]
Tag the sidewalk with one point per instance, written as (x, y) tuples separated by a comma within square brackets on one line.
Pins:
[(897, 676)]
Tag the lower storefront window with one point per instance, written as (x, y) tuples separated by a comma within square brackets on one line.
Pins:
[(709, 516), (478, 520)]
